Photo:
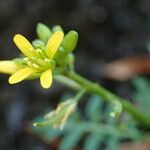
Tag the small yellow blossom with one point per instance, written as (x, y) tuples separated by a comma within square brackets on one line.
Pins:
[(9, 67), (36, 61)]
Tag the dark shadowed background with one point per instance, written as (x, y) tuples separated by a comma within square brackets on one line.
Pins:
[(107, 29)]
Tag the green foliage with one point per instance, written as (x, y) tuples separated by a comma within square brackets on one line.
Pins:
[(142, 93), (94, 127), (71, 139), (93, 141)]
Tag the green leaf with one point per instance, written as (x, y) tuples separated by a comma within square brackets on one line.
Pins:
[(52, 134), (112, 143), (108, 119), (93, 108), (93, 142), (141, 93), (71, 139)]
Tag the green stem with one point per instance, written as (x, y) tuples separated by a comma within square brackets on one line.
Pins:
[(95, 88), (68, 82), (79, 95)]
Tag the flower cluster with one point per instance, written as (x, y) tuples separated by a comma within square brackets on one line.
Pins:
[(40, 57), (37, 60)]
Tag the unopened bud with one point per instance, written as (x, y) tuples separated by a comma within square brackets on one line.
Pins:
[(38, 44), (117, 108), (43, 32), (70, 58), (57, 28), (70, 41)]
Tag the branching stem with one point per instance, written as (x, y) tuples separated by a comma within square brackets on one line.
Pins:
[(96, 88)]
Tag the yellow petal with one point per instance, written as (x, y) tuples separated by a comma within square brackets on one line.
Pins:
[(24, 45), (53, 43), (21, 75), (46, 79), (9, 67)]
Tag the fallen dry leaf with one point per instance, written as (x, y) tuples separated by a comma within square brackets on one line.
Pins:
[(143, 145), (126, 68)]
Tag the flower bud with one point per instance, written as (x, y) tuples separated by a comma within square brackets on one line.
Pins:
[(43, 32), (60, 54), (70, 41), (38, 44), (57, 28), (69, 59), (117, 108)]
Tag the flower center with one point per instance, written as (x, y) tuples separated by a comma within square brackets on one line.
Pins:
[(40, 62)]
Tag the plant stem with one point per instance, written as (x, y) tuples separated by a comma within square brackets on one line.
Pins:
[(78, 96), (95, 88)]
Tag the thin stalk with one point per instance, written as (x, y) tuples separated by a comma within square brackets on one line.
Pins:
[(79, 95)]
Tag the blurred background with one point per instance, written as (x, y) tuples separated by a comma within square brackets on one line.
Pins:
[(108, 30)]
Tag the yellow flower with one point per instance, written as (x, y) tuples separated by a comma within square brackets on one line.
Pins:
[(9, 67), (36, 61)]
